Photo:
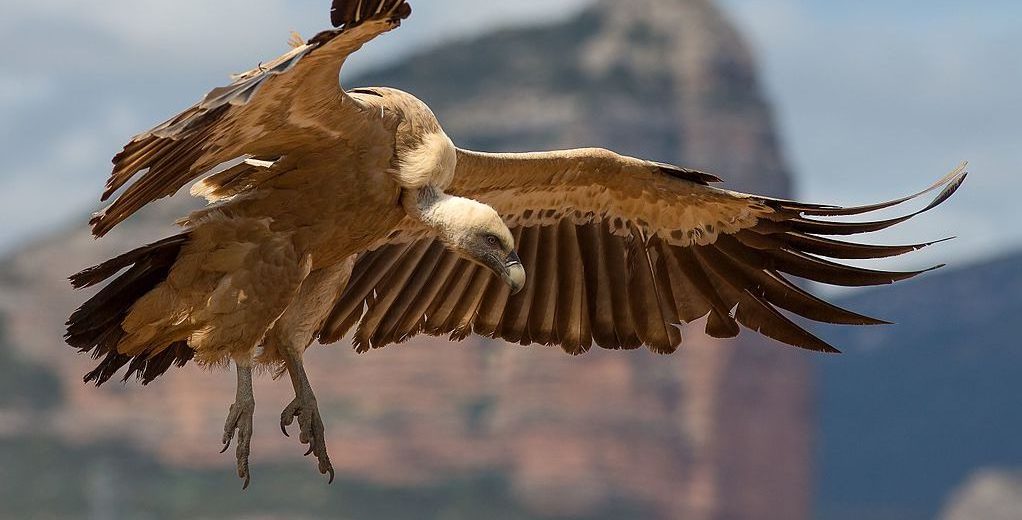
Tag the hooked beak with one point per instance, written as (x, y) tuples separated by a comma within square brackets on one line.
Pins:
[(514, 273)]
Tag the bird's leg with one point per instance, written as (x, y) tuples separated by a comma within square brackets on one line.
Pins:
[(306, 409), (239, 420)]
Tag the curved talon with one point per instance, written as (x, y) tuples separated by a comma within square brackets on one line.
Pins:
[(239, 421), (311, 430), (287, 417)]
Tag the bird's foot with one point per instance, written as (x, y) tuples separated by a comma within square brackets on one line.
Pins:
[(310, 423), (239, 420)]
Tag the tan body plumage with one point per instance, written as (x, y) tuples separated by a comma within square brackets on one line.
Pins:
[(334, 211)]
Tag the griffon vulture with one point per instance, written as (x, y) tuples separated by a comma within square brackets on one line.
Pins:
[(334, 211)]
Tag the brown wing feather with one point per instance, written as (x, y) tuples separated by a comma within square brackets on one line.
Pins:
[(495, 302), (248, 116), (572, 324), (514, 325), (653, 317), (544, 299), (598, 298), (613, 279)]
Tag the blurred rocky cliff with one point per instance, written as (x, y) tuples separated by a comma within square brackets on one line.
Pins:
[(721, 430)]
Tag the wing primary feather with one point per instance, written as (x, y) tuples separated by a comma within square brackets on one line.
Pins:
[(655, 328), (128, 163), (617, 266), (492, 307), (438, 318), (414, 319), (460, 322), (368, 272), (721, 323), (388, 292), (597, 285), (820, 227), (514, 325), (544, 303), (757, 315), (754, 313), (777, 290), (810, 267), (688, 300), (849, 251), (957, 176), (408, 293), (665, 290), (570, 291), (759, 238), (495, 301)]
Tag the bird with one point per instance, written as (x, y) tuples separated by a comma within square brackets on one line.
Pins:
[(335, 213)]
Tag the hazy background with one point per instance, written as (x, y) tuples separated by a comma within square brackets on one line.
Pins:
[(874, 98)]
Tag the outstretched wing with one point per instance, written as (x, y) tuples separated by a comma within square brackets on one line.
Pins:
[(284, 106), (619, 252)]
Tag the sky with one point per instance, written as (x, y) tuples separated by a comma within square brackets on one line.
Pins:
[(874, 99)]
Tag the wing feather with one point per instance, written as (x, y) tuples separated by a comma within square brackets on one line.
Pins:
[(621, 301), (252, 115), (544, 302), (414, 319), (598, 293), (722, 323), (514, 326), (620, 252), (408, 296), (653, 317), (438, 322), (460, 322), (495, 303)]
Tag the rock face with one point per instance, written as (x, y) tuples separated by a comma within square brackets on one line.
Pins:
[(990, 494), (718, 431)]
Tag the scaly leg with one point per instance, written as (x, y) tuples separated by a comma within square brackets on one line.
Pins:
[(239, 420), (305, 408)]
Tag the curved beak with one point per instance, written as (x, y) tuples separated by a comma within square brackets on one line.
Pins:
[(514, 273)]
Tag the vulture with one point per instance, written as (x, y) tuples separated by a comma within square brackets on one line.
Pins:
[(335, 212)]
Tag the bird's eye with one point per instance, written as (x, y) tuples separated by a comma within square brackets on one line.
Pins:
[(492, 240)]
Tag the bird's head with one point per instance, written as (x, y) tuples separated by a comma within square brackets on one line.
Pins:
[(477, 233)]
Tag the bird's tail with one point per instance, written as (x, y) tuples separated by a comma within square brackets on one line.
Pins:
[(96, 326)]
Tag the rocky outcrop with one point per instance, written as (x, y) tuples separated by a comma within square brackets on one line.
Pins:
[(990, 495), (720, 430)]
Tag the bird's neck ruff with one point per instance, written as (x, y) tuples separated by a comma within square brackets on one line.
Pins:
[(449, 216)]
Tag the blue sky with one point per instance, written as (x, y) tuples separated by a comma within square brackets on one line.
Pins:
[(874, 98)]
